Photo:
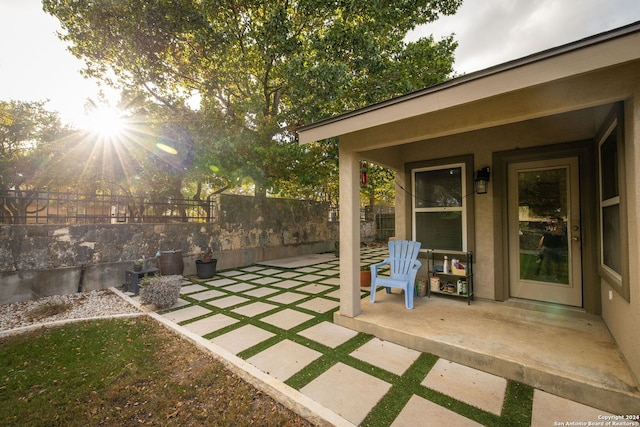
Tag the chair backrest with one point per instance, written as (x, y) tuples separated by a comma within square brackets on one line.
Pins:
[(402, 254)]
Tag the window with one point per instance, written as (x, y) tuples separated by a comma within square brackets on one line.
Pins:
[(439, 207), (613, 242)]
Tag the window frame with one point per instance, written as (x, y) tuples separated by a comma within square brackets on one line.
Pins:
[(465, 163), (618, 281)]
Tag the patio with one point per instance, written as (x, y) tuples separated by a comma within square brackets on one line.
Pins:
[(564, 352), (278, 323)]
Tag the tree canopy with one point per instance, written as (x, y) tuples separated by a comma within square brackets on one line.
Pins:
[(258, 68)]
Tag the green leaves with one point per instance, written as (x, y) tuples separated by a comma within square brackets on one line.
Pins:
[(261, 68)]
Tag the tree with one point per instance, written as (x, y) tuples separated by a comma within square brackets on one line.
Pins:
[(260, 68), (30, 139)]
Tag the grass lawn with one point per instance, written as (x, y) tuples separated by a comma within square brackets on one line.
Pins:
[(124, 372)]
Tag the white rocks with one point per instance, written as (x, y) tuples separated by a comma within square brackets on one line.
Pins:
[(61, 307)]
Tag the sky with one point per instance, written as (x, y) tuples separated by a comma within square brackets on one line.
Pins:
[(35, 65)]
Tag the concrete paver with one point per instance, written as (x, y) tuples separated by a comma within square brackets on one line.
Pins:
[(419, 411), (287, 318), (210, 294), (191, 288), (387, 355), (550, 410), (210, 324), (284, 359), (242, 338), (319, 305), (287, 284), (477, 388), (186, 313), (287, 298), (228, 301), (254, 309), (347, 391), (221, 282), (328, 334)]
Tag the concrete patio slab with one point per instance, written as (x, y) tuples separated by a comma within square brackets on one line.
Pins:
[(266, 280), (309, 277), (319, 305), (202, 296), (287, 318), (477, 388), (260, 292), (239, 287), (386, 355), (287, 284), (299, 261), (189, 289), (287, 298), (314, 288), (242, 338), (245, 277), (284, 359), (221, 282), (329, 334), (550, 410), (254, 309), (210, 324), (186, 313), (429, 414), (288, 274), (228, 301), (347, 391)]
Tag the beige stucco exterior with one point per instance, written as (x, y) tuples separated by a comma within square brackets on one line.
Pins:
[(557, 100)]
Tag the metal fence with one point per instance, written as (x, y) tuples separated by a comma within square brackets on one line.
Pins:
[(59, 207)]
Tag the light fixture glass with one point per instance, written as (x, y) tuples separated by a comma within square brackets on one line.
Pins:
[(482, 180)]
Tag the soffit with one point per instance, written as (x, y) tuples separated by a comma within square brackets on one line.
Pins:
[(558, 64)]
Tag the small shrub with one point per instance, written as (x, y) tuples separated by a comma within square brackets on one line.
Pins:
[(48, 309), (162, 291)]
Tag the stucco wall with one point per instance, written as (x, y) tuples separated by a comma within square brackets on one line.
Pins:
[(40, 260), (623, 317)]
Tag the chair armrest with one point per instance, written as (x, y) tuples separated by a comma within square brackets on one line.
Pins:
[(374, 267)]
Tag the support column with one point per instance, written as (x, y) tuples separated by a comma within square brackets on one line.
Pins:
[(349, 233)]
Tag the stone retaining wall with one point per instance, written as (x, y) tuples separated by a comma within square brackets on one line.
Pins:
[(42, 260)]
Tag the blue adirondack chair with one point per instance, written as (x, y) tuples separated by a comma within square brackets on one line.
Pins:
[(403, 256)]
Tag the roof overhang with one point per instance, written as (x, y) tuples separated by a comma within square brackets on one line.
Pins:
[(584, 56)]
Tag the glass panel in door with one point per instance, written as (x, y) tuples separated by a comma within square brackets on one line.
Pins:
[(544, 231)]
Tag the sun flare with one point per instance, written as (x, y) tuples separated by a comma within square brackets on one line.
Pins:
[(106, 122)]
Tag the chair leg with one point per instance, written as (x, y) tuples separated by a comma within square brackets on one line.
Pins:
[(372, 296), (408, 298)]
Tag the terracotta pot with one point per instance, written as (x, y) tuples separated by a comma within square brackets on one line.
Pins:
[(365, 278)]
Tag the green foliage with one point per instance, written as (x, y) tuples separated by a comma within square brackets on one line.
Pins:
[(260, 70), (31, 139)]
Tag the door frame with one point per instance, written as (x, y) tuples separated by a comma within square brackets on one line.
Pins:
[(585, 152), (541, 290)]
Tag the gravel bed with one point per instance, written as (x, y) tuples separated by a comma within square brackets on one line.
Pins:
[(63, 307)]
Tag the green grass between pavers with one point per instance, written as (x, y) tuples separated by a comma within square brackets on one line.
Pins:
[(123, 372), (518, 400)]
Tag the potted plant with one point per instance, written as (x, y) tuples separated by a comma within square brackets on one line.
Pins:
[(365, 276), (206, 265), (138, 265)]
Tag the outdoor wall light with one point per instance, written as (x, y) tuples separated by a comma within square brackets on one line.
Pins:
[(482, 180)]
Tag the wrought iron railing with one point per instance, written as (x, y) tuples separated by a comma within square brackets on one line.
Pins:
[(61, 207)]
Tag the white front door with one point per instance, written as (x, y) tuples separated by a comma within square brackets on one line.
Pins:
[(545, 261)]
